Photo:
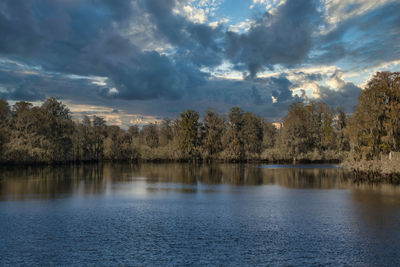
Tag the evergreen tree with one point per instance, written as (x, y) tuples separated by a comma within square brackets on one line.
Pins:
[(188, 133), (213, 131), (234, 134), (252, 133), (59, 129)]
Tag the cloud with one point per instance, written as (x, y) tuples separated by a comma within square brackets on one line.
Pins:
[(20, 84), (281, 91), (339, 93), (194, 42), (111, 116), (284, 37), (268, 4), (367, 38), (240, 27), (338, 11), (93, 38), (255, 95), (25, 93), (197, 11), (160, 57)]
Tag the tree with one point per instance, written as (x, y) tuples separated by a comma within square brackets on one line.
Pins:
[(85, 141), (26, 139), (214, 129), (99, 134), (342, 140), (118, 145), (326, 136), (86, 121), (165, 132), (4, 126), (252, 133), (134, 131), (269, 134), (59, 130), (55, 109), (150, 134), (375, 126), (188, 133), (308, 128), (295, 133), (234, 135)]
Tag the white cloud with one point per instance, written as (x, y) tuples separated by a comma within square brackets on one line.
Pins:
[(113, 91), (269, 5), (361, 76), (193, 14), (224, 71), (337, 11), (112, 116), (241, 27), (142, 32), (101, 81), (336, 81), (197, 11), (215, 24)]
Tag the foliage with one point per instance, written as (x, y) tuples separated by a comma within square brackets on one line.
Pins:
[(189, 133), (4, 126), (310, 132), (214, 127), (309, 127), (375, 126)]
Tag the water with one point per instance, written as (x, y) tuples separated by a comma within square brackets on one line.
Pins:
[(179, 214)]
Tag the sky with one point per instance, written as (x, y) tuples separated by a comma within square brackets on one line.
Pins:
[(138, 61)]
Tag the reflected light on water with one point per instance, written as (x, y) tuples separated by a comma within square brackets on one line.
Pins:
[(183, 214), (141, 180)]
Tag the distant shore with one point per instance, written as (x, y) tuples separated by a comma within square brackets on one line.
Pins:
[(366, 142)]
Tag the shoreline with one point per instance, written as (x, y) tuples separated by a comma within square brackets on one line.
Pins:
[(161, 161), (364, 171)]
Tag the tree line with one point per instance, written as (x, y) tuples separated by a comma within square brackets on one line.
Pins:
[(310, 131)]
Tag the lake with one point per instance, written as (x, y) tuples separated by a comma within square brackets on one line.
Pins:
[(197, 215)]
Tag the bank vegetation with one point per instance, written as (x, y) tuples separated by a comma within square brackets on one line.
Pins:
[(367, 141)]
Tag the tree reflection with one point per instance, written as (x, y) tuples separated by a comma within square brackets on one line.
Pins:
[(92, 179)]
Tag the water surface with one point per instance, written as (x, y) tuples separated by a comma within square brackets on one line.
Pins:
[(180, 214)]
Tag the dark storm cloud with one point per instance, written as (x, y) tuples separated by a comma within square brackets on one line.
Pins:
[(151, 75), (368, 39), (30, 27), (195, 42), (14, 85), (153, 57), (23, 92), (281, 91), (18, 83), (17, 35), (345, 96), (253, 95), (281, 38), (91, 38), (256, 96), (176, 29)]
